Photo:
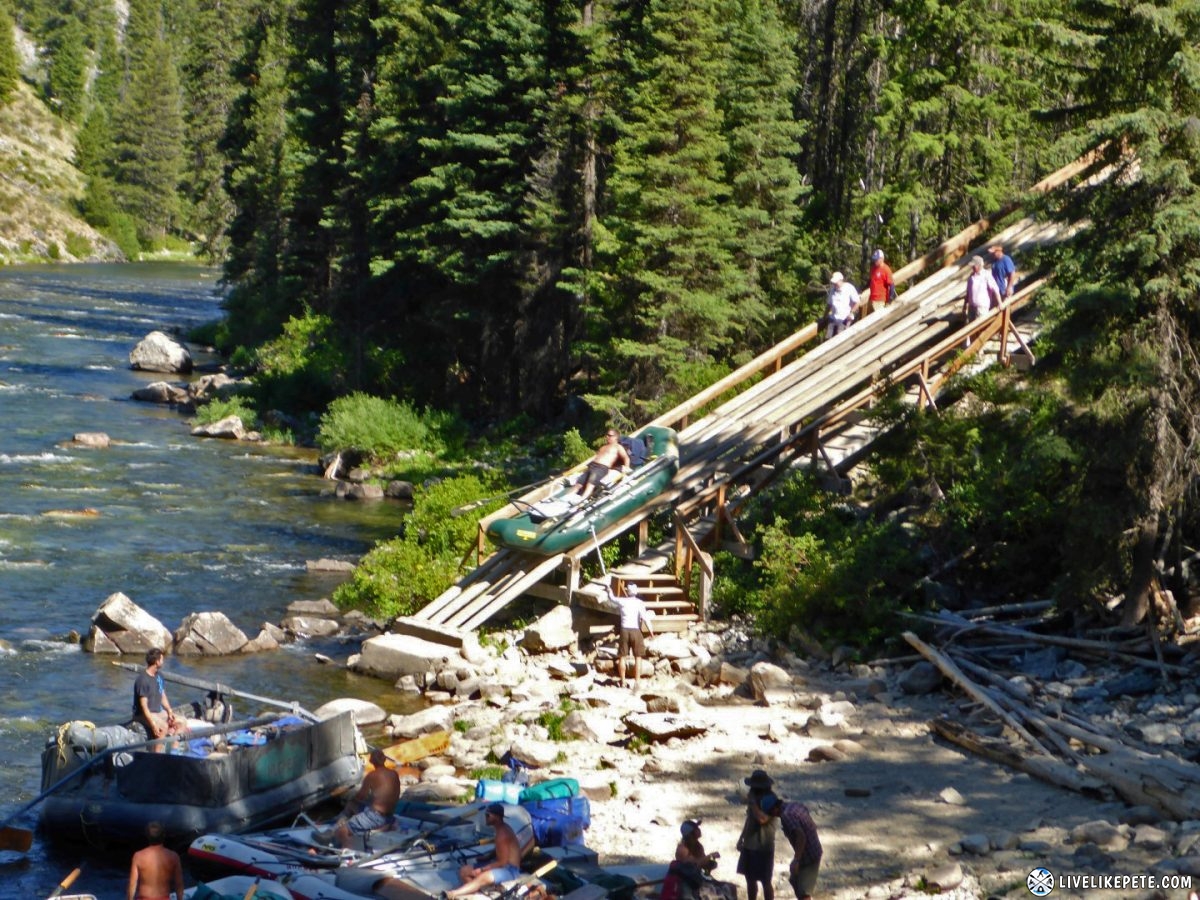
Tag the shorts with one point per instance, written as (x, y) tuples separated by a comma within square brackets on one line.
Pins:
[(804, 880), (596, 473), (631, 639), (368, 820), (504, 873), (757, 865)]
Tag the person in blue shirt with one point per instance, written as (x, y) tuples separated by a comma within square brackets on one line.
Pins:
[(1004, 271)]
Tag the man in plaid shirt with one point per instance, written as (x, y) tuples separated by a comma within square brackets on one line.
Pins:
[(801, 832)]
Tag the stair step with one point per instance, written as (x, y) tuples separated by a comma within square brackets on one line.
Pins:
[(640, 575)]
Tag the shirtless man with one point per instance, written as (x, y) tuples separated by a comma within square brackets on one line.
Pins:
[(372, 807), (607, 457), (505, 867), (155, 871)]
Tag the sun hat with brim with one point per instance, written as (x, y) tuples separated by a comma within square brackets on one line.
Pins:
[(690, 827), (759, 779), (768, 803)]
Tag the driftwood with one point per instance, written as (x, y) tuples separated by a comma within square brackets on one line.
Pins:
[(1137, 774), (1046, 768), (951, 671)]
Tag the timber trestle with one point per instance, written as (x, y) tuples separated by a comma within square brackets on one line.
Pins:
[(790, 408)]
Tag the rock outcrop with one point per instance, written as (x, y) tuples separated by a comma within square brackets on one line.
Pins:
[(159, 352)]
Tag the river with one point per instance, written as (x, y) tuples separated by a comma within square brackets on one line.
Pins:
[(183, 524)]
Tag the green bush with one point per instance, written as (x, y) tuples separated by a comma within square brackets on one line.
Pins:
[(218, 409), (400, 576), (78, 245), (299, 369), (575, 449), (375, 427)]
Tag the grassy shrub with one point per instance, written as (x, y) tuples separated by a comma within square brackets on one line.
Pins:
[(78, 245), (301, 368), (574, 449), (400, 576), (374, 426), (218, 409)]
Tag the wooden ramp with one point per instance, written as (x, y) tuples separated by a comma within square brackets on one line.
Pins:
[(788, 408)]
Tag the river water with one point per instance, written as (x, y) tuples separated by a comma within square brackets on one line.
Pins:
[(182, 524)]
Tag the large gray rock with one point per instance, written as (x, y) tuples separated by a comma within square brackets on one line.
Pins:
[(553, 631), (97, 439), (311, 626), (158, 352), (229, 428), (207, 387), (208, 634), (922, 678), (392, 655), (363, 711), (160, 392), (433, 718), (121, 626)]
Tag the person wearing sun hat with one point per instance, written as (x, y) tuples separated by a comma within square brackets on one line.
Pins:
[(756, 846)]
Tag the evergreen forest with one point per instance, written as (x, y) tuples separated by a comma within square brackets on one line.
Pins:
[(524, 214)]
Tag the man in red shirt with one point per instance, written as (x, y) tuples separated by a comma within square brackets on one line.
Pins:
[(882, 289)]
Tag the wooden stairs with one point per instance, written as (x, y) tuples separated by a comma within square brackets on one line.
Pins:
[(660, 591)]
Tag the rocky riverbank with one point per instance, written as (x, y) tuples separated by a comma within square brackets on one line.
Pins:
[(901, 814)]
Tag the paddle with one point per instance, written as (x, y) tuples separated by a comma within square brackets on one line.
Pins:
[(419, 836), (21, 839), (66, 882), (513, 889), (218, 688), (252, 890), (475, 504)]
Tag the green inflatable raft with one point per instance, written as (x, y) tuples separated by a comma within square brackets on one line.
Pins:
[(558, 523)]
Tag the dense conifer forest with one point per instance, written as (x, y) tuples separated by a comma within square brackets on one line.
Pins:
[(513, 210)]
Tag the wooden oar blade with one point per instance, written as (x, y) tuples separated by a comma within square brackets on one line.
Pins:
[(418, 748), (18, 839)]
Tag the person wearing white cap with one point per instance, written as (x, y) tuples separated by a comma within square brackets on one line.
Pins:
[(881, 289), (840, 305), (690, 850), (633, 615)]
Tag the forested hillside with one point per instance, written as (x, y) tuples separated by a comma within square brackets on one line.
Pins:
[(514, 210)]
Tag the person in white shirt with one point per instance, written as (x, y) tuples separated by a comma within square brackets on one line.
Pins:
[(633, 615), (840, 305), (982, 293)]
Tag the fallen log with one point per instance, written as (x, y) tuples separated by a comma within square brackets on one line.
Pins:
[(972, 690), (1045, 768)]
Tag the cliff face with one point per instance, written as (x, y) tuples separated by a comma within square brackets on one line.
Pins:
[(40, 188)]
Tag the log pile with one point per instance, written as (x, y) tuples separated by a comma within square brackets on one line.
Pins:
[(1016, 720)]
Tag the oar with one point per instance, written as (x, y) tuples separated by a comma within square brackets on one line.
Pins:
[(218, 688), (21, 839), (419, 836), (252, 890), (475, 504), (527, 879), (66, 882)]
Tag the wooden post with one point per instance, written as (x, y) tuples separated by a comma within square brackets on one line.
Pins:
[(643, 536)]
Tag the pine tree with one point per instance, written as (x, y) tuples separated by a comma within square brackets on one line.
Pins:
[(67, 83), (257, 179), (208, 98), (757, 98), (669, 273), (10, 64), (1128, 337), (148, 146)]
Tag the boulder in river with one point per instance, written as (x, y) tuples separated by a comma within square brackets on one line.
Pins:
[(159, 352), (208, 634), (121, 626)]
